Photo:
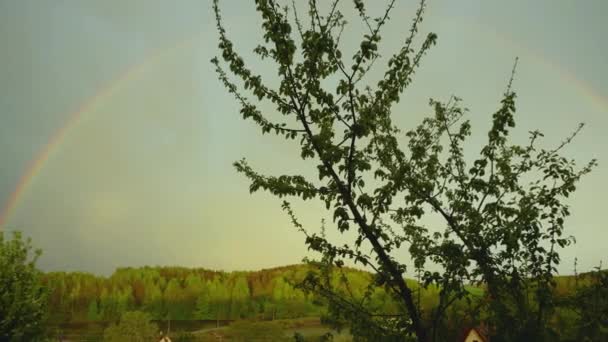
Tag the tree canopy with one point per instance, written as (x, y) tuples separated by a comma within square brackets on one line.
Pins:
[(23, 303), (503, 212), (134, 326)]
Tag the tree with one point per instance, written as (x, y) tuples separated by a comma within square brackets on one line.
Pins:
[(239, 298), (134, 326), (174, 300), (153, 302), (215, 301), (56, 284), (590, 304), (93, 311), (203, 307), (504, 214), (108, 305), (23, 299)]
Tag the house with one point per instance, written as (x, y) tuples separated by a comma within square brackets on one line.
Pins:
[(164, 338), (476, 334)]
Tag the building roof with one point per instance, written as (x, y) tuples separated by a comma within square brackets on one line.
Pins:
[(481, 332)]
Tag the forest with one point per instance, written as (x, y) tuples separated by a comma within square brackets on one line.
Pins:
[(194, 303), (197, 294), (189, 294)]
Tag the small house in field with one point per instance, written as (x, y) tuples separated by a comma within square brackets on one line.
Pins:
[(476, 334)]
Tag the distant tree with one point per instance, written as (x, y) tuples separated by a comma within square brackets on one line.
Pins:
[(590, 304), (219, 300), (139, 291), (73, 296), (193, 287), (93, 311), (503, 216), (175, 300), (107, 305), (221, 296), (23, 299), (239, 298), (134, 326), (203, 307), (281, 289), (288, 301), (153, 302), (194, 284), (56, 284)]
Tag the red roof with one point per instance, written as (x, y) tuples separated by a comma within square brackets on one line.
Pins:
[(478, 330)]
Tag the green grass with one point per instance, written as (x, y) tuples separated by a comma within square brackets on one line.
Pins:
[(311, 328)]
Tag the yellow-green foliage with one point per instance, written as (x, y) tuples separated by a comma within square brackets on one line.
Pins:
[(133, 327)]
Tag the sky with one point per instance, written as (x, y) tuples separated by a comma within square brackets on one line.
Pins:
[(117, 139)]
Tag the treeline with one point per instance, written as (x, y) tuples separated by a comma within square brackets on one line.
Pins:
[(179, 293), (193, 294)]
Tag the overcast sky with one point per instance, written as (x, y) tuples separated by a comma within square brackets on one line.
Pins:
[(143, 176)]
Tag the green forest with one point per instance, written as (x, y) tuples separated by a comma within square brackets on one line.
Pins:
[(179, 293), (271, 302)]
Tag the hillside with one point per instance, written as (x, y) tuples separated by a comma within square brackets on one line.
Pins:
[(188, 293), (183, 293)]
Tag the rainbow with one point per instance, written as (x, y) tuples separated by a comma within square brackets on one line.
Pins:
[(597, 99), (105, 92)]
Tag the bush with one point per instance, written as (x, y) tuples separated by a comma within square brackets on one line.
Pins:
[(23, 305), (134, 326)]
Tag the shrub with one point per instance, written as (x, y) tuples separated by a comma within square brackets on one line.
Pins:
[(23, 305), (134, 326)]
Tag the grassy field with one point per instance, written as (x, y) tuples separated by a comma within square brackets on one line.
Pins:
[(311, 328)]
